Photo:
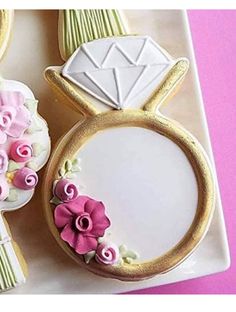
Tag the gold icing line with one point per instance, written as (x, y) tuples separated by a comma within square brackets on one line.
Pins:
[(71, 93), (169, 84)]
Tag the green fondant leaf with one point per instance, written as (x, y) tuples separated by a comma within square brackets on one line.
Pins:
[(69, 175), (32, 165), (123, 250), (12, 166), (101, 239), (132, 254), (32, 105), (55, 201), (76, 165), (88, 256), (13, 195), (128, 260), (76, 169), (68, 165), (62, 172), (120, 261), (37, 149), (75, 161)]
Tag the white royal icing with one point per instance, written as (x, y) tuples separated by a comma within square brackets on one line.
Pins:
[(146, 183), (119, 71)]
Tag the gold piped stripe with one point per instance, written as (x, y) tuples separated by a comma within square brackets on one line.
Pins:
[(166, 89), (71, 93)]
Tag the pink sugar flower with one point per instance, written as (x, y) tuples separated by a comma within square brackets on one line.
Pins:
[(107, 253), (21, 151), (66, 190), (14, 116), (81, 222)]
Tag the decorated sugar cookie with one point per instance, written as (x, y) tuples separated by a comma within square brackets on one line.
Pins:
[(24, 149), (129, 193)]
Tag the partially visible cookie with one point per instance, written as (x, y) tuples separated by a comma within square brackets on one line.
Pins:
[(6, 19), (24, 149)]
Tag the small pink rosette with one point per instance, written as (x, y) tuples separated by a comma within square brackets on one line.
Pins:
[(21, 151), (65, 190), (25, 179), (107, 253)]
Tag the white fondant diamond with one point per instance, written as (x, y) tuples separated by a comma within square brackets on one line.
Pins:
[(116, 70)]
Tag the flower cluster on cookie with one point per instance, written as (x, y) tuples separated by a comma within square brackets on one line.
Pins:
[(82, 221), (16, 149)]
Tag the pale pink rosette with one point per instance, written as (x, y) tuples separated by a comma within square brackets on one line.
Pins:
[(25, 179), (81, 222), (14, 116), (4, 188), (3, 161), (107, 253), (21, 151), (66, 190)]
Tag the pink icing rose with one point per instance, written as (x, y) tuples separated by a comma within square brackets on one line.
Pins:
[(107, 253), (3, 161), (14, 116), (65, 190), (81, 222), (4, 188), (25, 179), (21, 151)]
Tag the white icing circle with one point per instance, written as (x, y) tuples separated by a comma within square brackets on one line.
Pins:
[(146, 183)]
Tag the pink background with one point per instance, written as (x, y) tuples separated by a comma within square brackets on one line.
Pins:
[(214, 39)]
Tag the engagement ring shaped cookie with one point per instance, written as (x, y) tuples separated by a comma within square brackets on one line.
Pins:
[(131, 192)]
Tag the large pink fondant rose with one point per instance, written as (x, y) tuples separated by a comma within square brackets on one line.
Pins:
[(81, 222), (66, 190), (107, 253), (14, 116)]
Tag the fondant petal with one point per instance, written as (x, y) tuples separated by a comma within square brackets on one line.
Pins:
[(99, 213), (13, 98), (100, 227), (62, 215), (92, 205), (70, 236), (77, 206), (3, 137), (85, 244), (21, 122)]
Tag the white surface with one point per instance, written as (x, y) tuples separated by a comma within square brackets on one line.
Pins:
[(50, 269), (147, 185), (121, 72)]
